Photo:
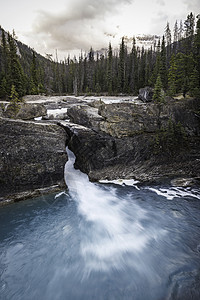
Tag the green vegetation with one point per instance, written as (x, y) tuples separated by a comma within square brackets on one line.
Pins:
[(170, 140), (173, 64), (14, 105), (158, 95)]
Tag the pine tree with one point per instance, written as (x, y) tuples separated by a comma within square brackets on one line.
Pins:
[(90, 73), (185, 66), (157, 66), (109, 70), (34, 75), (14, 102), (189, 32), (158, 95), (172, 76), (180, 31), (15, 72), (189, 25), (197, 48), (4, 88), (163, 64), (194, 84), (175, 32), (176, 38), (133, 69), (122, 66), (168, 38)]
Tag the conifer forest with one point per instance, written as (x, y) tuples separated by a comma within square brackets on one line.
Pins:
[(171, 65)]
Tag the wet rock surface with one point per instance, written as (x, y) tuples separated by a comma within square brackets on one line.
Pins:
[(32, 155)]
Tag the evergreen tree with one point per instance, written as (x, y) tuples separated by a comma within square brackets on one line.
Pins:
[(157, 66), (185, 66), (189, 32), (172, 76), (122, 66), (34, 75), (194, 84), (163, 64), (142, 68), (4, 88), (15, 72), (197, 49), (81, 73), (176, 37), (133, 69), (90, 71), (175, 32), (109, 70), (189, 25), (168, 38), (14, 102), (180, 31), (158, 95)]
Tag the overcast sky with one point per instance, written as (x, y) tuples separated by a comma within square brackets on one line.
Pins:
[(74, 25)]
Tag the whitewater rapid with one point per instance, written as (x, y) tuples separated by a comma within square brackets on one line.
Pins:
[(111, 231)]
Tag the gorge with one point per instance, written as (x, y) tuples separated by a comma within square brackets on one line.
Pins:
[(119, 239), (131, 139)]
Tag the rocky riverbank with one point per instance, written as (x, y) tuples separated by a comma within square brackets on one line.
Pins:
[(32, 158), (145, 141), (131, 139)]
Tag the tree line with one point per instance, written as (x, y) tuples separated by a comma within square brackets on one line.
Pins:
[(171, 66)]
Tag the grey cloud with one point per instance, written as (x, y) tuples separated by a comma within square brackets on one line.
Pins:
[(161, 2), (81, 24), (192, 6), (159, 22)]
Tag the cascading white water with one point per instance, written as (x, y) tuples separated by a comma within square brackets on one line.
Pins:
[(102, 241), (111, 231)]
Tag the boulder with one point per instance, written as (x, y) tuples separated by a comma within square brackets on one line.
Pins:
[(32, 155), (26, 111), (85, 115), (146, 94)]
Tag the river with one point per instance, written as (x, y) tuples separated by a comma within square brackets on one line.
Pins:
[(102, 241)]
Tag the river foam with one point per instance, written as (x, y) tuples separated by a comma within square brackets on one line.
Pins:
[(110, 231)]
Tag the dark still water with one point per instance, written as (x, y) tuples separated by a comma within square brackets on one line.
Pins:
[(102, 242)]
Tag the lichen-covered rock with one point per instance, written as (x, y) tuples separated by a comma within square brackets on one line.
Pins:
[(136, 141), (32, 155), (26, 111), (128, 119), (104, 157), (85, 115)]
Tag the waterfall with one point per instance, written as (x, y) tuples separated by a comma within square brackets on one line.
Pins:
[(109, 230)]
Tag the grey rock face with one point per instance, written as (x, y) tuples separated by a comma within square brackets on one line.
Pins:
[(27, 111), (32, 155), (126, 143), (146, 94), (104, 157), (128, 119), (85, 115)]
